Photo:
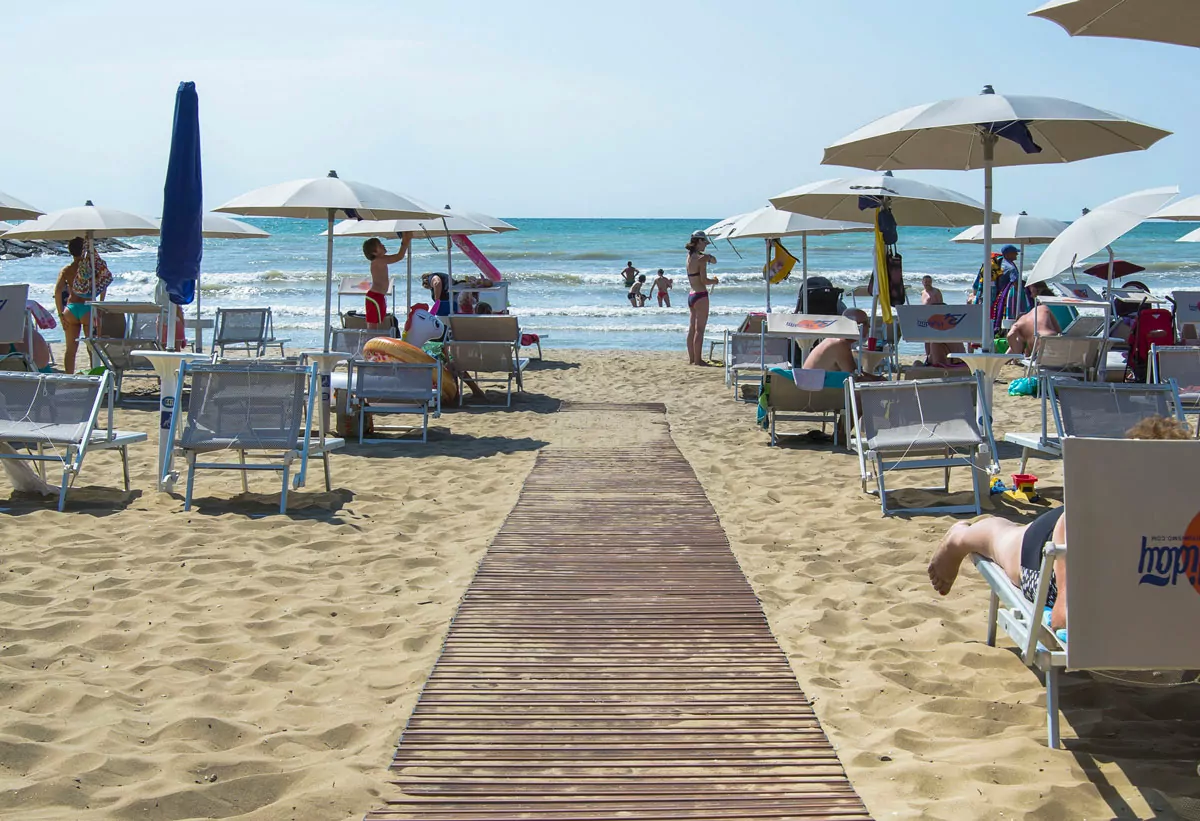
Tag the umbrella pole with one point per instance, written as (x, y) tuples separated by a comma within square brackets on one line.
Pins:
[(198, 344), (449, 270), (408, 286), (328, 278), (768, 268), (989, 154), (804, 278)]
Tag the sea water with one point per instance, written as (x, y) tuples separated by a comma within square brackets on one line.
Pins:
[(565, 274)]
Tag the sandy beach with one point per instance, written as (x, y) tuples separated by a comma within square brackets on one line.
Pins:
[(231, 662)]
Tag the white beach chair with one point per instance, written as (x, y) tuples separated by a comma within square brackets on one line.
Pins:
[(15, 328), (57, 418), (352, 340), (1181, 364), (1062, 355), (1076, 290), (394, 388), (488, 362), (1100, 410), (247, 329), (787, 402), (251, 408), (1130, 594), (922, 424), (750, 355)]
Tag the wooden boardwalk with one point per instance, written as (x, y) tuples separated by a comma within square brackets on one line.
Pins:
[(610, 661)]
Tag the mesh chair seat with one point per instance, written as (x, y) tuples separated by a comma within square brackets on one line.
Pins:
[(957, 433), (1107, 411)]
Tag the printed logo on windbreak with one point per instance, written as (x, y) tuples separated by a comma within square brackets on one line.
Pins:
[(1165, 561), (942, 322)]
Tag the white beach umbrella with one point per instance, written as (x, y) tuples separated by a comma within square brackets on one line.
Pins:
[(495, 223), (913, 203), (1193, 236), (769, 223), (1161, 21), (720, 230), (12, 208), (1097, 230), (5, 226), (986, 131), (89, 222), (329, 198), (449, 225), (1184, 210)]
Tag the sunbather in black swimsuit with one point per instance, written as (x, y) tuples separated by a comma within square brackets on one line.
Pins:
[(1033, 547)]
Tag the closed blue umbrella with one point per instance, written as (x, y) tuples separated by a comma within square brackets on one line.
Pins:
[(181, 245)]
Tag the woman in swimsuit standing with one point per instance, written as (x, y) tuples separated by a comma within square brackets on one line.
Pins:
[(72, 292), (698, 282)]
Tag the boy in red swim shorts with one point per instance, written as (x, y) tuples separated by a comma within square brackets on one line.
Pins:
[(380, 260)]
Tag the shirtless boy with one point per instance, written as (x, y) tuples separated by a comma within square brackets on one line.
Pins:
[(380, 260), (1038, 322)]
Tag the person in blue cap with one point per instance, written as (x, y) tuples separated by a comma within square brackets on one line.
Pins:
[(1010, 273)]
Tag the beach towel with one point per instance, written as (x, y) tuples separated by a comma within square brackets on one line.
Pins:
[(41, 317), (476, 256), (780, 264)]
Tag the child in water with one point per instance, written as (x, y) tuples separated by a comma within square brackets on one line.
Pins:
[(636, 298), (662, 284)]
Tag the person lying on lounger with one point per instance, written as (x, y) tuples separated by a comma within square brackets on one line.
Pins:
[(1018, 549), (838, 354)]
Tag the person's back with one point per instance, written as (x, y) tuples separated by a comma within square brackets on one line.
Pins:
[(662, 284), (630, 274)]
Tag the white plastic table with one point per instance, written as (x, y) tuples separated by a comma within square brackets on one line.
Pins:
[(990, 364), (166, 365), (326, 362)]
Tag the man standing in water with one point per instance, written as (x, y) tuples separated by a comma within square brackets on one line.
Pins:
[(698, 282), (630, 274)]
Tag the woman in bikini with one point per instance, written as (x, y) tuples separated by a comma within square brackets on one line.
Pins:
[(72, 292), (698, 282)]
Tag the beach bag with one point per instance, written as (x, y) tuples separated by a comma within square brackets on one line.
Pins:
[(82, 282), (1151, 326), (1025, 386)]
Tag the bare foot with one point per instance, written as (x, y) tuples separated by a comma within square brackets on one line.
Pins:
[(943, 567)]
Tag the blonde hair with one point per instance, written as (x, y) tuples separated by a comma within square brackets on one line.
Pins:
[(1159, 427)]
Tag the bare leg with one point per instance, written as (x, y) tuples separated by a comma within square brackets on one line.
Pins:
[(71, 329), (693, 347), (991, 537), (700, 315)]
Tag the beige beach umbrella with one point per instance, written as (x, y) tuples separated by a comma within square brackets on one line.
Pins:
[(1192, 236), (986, 131), (12, 208), (91, 223), (1184, 210), (1160, 21), (769, 223), (495, 223), (329, 198), (6, 226), (913, 203)]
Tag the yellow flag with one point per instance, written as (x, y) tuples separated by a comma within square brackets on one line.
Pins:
[(780, 264), (882, 281)]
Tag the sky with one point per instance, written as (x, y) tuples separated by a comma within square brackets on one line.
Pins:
[(627, 109)]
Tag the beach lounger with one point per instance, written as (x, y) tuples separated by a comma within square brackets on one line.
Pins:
[(352, 340), (1085, 325), (1098, 410), (245, 329), (394, 388), (1182, 364), (1127, 572), (250, 408), (60, 418), (750, 355), (787, 402), (485, 328), (15, 327), (922, 424), (488, 362), (1076, 290), (1062, 355)]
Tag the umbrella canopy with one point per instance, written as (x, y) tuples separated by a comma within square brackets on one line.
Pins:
[(720, 230), (1193, 236), (1098, 229), (12, 208), (986, 131), (495, 223), (316, 198), (1119, 268), (913, 203), (182, 245), (84, 220), (1021, 229), (1161, 21), (455, 224), (1184, 210), (219, 226), (771, 223), (328, 198), (5, 226)]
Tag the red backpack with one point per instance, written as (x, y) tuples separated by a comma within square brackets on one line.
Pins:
[(1152, 326)]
